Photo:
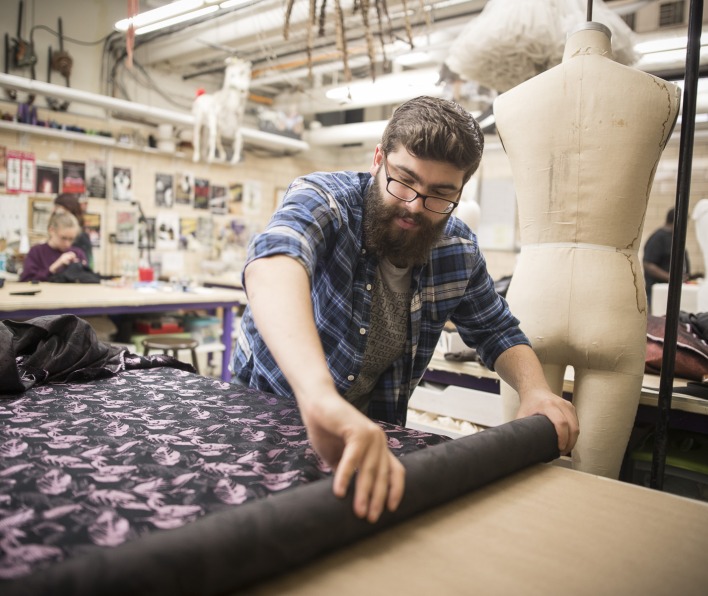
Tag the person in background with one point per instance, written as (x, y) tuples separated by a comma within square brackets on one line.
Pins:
[(70, 202), (657, 256), (45, 260), (350, 286)]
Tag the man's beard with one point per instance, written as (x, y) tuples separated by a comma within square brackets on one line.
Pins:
[(386, 239)]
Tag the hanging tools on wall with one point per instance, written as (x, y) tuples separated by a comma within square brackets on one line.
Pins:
[(61, 62)]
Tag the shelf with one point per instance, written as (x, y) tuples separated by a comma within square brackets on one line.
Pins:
[(251, 136)]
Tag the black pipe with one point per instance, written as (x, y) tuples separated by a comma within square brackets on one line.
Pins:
[(678, 244)]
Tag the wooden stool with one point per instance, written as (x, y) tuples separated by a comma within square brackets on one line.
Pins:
[(172, 344)]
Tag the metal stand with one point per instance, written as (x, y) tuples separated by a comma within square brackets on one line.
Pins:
[(688, 125)]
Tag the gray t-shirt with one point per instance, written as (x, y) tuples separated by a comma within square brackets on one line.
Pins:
[(390, 305)]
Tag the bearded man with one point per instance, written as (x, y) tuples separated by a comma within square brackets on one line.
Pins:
[(349, 288)]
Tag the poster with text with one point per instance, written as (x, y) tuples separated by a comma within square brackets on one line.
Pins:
[(3, 168), (188, 233), (122, 184), (218, 199), (20, 171), (146, 233), (126, 232), (92, 226), (184, 189), (167, 231), (96, 178), (205, 231), (236, 198), (201, 193), (252, 196), (164, 190), (73, 177), (48, 179)]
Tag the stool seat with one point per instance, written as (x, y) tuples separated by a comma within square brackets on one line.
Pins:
[(172, 344)]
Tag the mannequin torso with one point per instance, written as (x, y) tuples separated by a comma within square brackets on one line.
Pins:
[(584, 140)]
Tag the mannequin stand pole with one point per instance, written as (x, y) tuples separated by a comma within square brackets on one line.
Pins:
[(688, 125)]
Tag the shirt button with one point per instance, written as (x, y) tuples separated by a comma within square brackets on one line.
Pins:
[(362, 331), (368, 287), (350, 378), (363, 251)]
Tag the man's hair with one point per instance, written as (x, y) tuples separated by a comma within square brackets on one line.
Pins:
[(63, 221), (670, 217), (436, 129)]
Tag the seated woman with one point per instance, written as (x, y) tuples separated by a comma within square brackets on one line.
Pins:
[(72, 203), (44, 260)]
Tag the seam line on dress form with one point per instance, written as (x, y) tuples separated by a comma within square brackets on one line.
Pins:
[(579, 245)]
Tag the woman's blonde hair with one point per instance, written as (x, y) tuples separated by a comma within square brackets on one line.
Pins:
[(63, 221)]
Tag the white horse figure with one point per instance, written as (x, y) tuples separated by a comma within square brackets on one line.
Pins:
[(222, 112)]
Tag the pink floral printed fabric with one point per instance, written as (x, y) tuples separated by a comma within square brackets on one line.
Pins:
[(105, 462)]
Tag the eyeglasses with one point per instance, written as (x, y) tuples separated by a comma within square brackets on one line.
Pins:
[(403, 192)]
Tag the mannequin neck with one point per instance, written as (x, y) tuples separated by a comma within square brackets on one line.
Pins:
[(591, 38)]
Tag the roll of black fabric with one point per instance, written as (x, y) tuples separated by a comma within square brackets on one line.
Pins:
[(230, 550)]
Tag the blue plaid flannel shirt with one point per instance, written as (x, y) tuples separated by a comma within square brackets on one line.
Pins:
[(320, 225)]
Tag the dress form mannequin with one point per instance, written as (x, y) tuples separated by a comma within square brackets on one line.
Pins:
[(700, 216), (584, 139)]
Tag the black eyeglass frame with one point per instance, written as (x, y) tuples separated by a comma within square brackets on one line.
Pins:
[(450, 209)]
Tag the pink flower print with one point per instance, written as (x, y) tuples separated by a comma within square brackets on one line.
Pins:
[(65, 461), (212, 449), (224, 469), (16, 520), (75, 407), (116, 429), (166, 456), (13, 448), (253, 435), (183, 479), (277, 481), (66, 441), (19, 559), (109, 529), (14, 469), (174, 516), (111, 473), (150, 487), (198, 414), (61, 511), (230, 492), (110, 498), (54, 482)]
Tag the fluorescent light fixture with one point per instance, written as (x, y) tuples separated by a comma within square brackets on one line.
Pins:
[(233, 3), (661, 45), (178, 19), (412, 58), (158, 14), (383, 89)]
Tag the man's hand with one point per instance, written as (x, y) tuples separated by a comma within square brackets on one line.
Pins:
[(520, 367), (350, 442), (279, 298), (558, 410)]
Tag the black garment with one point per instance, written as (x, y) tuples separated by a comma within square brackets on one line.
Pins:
[(63, 348), (83, 241), (658, 251), (75, 273)]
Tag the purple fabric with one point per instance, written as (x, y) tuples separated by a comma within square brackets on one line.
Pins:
[(105, 463), (40, 257)]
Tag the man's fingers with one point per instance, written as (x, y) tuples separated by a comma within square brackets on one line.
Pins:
[(345, 470), (397, 483)]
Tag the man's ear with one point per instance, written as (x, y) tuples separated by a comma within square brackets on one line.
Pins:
[(377, 161)]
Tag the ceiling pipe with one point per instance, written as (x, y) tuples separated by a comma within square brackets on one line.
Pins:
[(256, 137)]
